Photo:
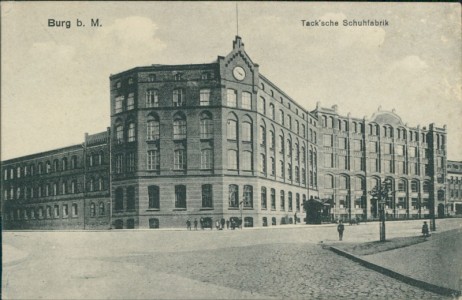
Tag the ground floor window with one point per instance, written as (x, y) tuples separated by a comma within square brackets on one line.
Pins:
[(153, 195), (154, 223), (118, 224), (248, 222), (207, 197), (130, 224), (265, 221)]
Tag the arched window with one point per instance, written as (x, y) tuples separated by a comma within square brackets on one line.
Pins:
[(206, 126), (271, 107), (297, 127), (131, 132), (153, 129), (179, 127), (100, 184), (246, 132), (262, 105), (281, 117), (324, 121), (206, 158), (328, 181), (262, 135), (64, 164), (282, 200), (102, 211), (119, 134), (248, 196), (92, 209), (331, 122), (47, 167), (263, 198), (91, 185), (414, 186), (233, 195), (247, 163), (119, 199), (232, 129), (343, 183)]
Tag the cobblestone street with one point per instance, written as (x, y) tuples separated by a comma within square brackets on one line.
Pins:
[(281, 262)]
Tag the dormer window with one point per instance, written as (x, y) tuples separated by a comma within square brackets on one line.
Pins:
[(177, 77), (152, 77), (205, 76), (118, 84), (130, 80)]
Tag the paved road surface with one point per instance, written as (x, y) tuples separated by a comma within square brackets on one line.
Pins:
[(279, 263)]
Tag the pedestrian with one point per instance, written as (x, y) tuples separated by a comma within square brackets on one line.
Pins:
[(295, 218), (340, 229), (217, 224), (227, 224), (188, 224), (202, 223), (425, 232), (222, 223), (233, 225), (195, 224)]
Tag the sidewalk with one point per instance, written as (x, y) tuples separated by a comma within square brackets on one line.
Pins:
[(433, 264), (12, 255)]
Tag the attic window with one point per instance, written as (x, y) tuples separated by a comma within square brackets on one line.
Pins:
[(177, 76), (152, 77), (205, 76), (118, 84), (130, 80)]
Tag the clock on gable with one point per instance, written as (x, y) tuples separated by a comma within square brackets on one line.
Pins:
[(239, 73)]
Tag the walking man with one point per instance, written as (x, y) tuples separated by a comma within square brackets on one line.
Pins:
[(195, 224), (340, 229), (425, 232), (188, 225), (295, 218)]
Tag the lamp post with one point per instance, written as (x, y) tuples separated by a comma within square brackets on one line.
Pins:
[(381, 194)]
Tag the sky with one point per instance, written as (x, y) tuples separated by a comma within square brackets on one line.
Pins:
[(55, 80)]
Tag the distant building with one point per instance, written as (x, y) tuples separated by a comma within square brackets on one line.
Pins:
[(220, 140), (454, 188)]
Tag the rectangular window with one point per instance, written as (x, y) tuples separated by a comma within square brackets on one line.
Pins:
[(273, 199), (152, 98), (263, 197), (232, 159), (273, 166), (328, 162), (231, 98), (412, 152), (233, 196), (289, 200), (342, 143), (75, 210), (387, 148), (283, 201), (179, 159), (246, 100), (119, 104), (342, 162), (180, 196), (153, 195), (178, 97), (206, 159), (247, 161), (262, 163), (400, 150), (248, 196), (327, 140), (131, 101), (130, 162), (207, 196), (402, 167), (152, 129), (358, 145), (56, 211), (204, 97), (119, 163), (373, 147), (153, 160), (359, 163), (373, 165)]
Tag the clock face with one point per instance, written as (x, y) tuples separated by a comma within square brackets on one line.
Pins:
[(239, 73)]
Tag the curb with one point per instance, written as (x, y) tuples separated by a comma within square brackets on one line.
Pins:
[(406, 279)]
